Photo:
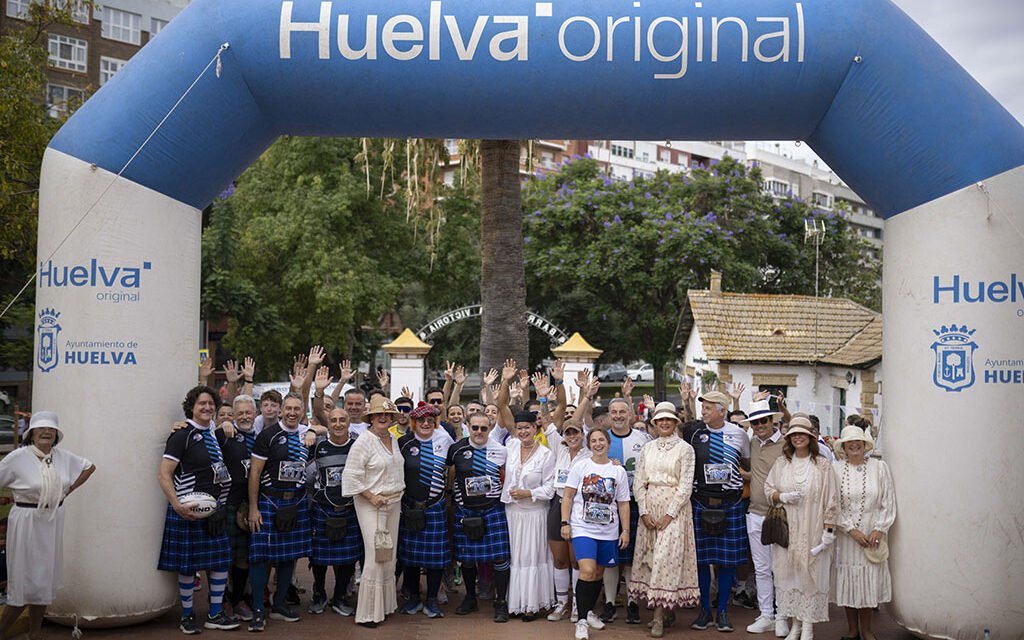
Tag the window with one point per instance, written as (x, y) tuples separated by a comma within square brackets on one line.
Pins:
[(155, 26), (822, 200), (664, 155), (452, 146), (777, 188), (68, 53), (108, 67), (79, 9), (61, 99), (122, 26), (622, 151), (645, 157), (17, 9)]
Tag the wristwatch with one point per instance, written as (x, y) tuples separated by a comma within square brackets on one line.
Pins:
[(565, 523)]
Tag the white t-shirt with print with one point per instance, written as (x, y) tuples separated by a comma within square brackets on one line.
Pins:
[(599, 489)]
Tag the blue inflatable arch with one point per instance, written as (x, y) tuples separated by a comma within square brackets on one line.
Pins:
[(876, 98)]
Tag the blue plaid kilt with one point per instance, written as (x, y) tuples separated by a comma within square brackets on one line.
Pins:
[(237, 536), (626, 555), (728, 549), (186, 547), (495, 543), (268, 544), (327, 553), (428, 549)]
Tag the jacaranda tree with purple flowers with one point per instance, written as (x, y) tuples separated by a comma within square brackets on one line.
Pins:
[(614, 259)]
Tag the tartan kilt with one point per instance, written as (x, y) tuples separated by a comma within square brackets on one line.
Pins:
[(728, 549), (495, 543), (187, 548), (626, 555), (268, 544), (327, 553), (237, 536), (430, 548)]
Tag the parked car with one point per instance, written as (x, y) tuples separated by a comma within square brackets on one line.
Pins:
[(641, 373), (615, 372)]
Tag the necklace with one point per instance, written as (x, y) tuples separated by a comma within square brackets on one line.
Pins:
[(846, 495), (802, 472), (667, 443)]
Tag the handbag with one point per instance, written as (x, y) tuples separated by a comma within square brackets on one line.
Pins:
[(242, 516), (775, 529), (335, 528), (217, 523), (285, 517), (879, 554), (383, 544), (712, 522), (475, 527), (415, 518)]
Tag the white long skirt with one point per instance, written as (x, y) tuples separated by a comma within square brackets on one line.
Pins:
[(377, 583), (857, 582), (532, 581), (35, 557)]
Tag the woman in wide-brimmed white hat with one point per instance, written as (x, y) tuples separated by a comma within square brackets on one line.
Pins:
[(41, 475), (867, 501), (803, 481)]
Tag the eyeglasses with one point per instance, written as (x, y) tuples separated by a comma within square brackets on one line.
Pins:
[(404, 408), (761, 421), (436, 401), (476, 427)]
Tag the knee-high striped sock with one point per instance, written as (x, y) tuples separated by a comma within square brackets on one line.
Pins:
[(218, 583), (562, 581), (186, 585)]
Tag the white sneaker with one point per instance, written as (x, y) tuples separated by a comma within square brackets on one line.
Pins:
[(762, 624), (574, 617), (560, 611), (781, 627), (594, 621), (582, 630)]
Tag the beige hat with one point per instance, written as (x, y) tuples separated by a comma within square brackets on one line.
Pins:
[(379, 404), (716, 397), (852, 433), (665, 410), (801, 424)]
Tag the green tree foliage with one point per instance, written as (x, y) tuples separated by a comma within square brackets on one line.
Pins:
[(298, 252), (25, 130), (614, 259)]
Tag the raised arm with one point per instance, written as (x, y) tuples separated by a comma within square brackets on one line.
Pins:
[(248, 372), (735, 392), (505, 418), (460, 380), (232, 374), (627, 395), (449, 376), (345, 374), (321, 381), (558, 380), (487, 393)]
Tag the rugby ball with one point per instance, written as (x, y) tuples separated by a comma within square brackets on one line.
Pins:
[(202, 504)]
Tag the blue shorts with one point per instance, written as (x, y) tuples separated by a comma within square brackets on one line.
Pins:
[(605, 552)]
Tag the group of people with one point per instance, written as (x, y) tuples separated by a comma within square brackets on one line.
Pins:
[(541, 503)]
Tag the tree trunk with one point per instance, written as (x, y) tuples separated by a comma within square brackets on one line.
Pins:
[(503, 330)]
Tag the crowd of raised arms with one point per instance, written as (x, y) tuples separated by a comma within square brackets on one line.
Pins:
[(531, 498)]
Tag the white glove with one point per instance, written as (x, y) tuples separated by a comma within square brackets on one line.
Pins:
[(790, 497), (827, 538)]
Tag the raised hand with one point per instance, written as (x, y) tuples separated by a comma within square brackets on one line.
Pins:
[(649, 402), (515, 393), (298, 380), (460, 375), (524, 382), (762, 395), (583, 379), (322, 380), (299, 363), (737, 390), (346, 372), (407, 393), (558, 370), (490, 377), (542, 384), (316, 356), (206, 370), (383, 378), (595, 388), (508, 371), (449, 371), (231, 371), (627, 387), (249, 368)]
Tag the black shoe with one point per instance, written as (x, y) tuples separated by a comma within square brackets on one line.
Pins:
[(743, 600), (258, 622), (369, 625), (500, 611), (468, 606), (608, 614), (702, 621), (528, 617), (221, 621), (632, 613), (292, 597), (284, 614), (722, 622), (319, 603), (189, 626)]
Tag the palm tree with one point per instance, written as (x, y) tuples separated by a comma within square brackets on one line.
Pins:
[(503, 331)]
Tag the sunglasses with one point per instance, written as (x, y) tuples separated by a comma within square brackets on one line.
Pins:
[(761, 421), (436, 401), (405, 408), (476, 427)]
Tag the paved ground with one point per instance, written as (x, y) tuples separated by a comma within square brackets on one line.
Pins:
[(477, 626)]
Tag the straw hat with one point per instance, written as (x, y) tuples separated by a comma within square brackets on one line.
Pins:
[(665, 410), (42, 419), (852, 433), (379, 404), (761, 409)]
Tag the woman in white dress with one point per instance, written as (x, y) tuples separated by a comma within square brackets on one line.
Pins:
[(529, 485), (867, 508), (375, 476), (41, 475), (665, 561), (803, 481)]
